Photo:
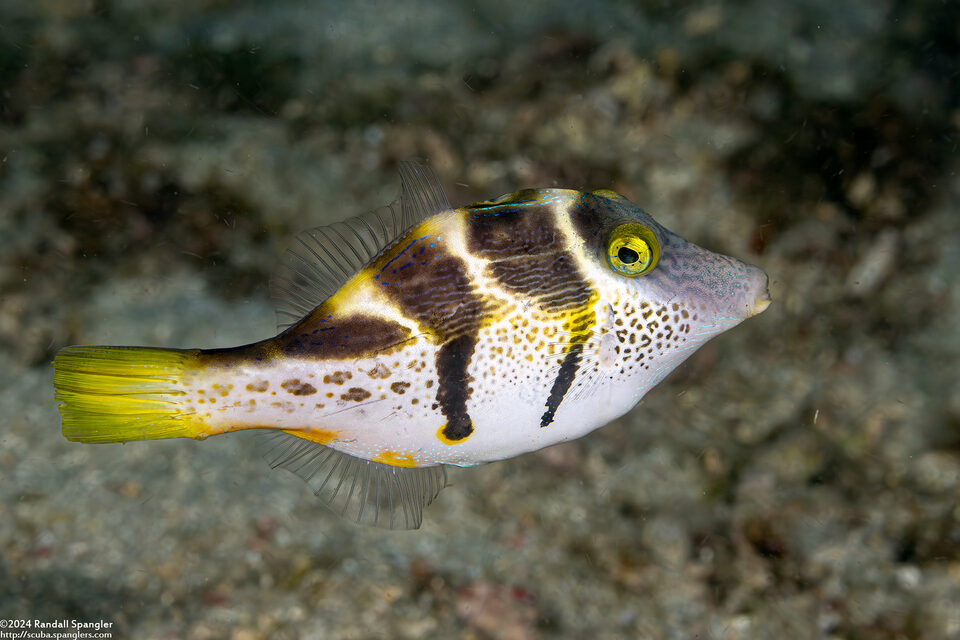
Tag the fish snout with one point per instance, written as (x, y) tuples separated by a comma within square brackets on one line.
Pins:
[(760, 304), (756, 295)]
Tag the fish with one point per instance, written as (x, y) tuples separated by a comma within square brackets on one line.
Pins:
[(419, 336)]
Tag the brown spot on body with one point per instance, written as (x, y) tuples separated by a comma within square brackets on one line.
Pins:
[(379, 372), (337, 377), (356, 394), (298, 388), (258, 386), (400, 387)]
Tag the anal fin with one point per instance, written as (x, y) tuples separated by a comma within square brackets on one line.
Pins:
[(363, 491)]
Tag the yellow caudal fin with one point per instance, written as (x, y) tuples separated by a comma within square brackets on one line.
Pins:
[(116, 394)]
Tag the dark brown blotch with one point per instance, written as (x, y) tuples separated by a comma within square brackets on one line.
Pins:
[(259, 386), (453, 360), (298, 388), (433, 287), (554, 281), (440, 296), (516, 227), (337, 377), (592, 218), (356, 394), (320, 335), (562, 383), (400, 387)]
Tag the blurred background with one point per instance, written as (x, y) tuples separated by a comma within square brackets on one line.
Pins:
[(799, 477)]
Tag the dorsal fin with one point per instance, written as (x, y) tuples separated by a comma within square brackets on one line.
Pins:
[(421, 193), (323, 258), (363, 491)]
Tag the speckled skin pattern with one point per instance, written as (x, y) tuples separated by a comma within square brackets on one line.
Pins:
[(482, 333)]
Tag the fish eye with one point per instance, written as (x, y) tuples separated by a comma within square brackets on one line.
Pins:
[(633, 249)]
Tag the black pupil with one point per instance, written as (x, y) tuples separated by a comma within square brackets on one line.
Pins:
[(627, 255)]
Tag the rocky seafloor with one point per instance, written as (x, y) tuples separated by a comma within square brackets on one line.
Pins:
[(799, 477)]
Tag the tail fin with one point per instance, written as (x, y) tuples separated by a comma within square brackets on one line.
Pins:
[(116, 394)]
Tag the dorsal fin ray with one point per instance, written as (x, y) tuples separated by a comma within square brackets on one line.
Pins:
[(363, 491), (421, 195), (322, 259)]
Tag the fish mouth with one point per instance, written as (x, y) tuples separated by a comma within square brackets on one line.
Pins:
[(757, 294), (760, 304)]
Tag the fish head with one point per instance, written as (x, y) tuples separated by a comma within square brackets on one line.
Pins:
[(683, 294)]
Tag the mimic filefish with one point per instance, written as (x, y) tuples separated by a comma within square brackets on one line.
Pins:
[(418, 336)]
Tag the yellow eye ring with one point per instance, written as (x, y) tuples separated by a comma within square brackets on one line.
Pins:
[(633, 249)]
